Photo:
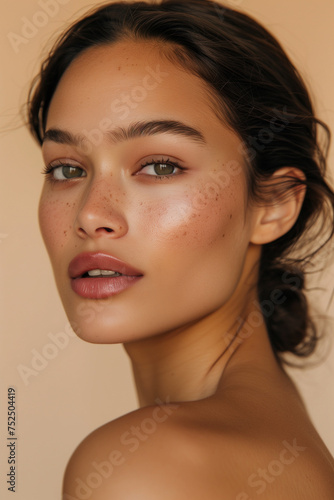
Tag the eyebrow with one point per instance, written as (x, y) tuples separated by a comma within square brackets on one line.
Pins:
[(138, 129)]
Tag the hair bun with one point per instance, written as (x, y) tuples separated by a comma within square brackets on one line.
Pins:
[(285, 309)]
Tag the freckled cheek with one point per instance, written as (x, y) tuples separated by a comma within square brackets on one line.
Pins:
[(55, 220), (191, 221)]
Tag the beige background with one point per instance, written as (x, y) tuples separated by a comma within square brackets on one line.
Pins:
[(85, 385)]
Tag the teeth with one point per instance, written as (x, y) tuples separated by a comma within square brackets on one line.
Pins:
[(99, 272)]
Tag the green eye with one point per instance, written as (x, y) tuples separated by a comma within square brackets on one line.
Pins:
[(67, 172), (163, 168)]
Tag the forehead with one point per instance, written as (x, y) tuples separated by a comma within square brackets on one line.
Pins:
[(114, 86), (126, 79)]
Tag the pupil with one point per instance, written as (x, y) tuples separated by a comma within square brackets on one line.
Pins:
[(163, 169), (69, 171)]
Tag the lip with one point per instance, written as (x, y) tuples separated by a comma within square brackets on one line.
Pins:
[(101, 287), (85, 262)]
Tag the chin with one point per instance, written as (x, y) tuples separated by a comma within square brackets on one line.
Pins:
[(101, 330), (95, 323)]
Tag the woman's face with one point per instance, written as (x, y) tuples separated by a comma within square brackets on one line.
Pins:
[(145, 172)]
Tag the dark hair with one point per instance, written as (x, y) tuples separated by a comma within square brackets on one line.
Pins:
[(259, 93)]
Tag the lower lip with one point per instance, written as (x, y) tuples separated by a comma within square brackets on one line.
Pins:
[(101, 288)]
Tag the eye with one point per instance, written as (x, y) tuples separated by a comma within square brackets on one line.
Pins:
[(67, 172), (63, 172), (161, 168)]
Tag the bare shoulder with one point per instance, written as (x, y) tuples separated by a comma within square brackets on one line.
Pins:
[(123, 457), (174, 452)]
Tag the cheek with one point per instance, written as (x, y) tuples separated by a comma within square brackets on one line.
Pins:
[(55, 217), (196, 242), (200, 216)]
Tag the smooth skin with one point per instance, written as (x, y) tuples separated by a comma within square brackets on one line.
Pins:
[(218, 417)]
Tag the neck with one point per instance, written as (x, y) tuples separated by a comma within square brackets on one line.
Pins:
[(188, 364), (192, 362)]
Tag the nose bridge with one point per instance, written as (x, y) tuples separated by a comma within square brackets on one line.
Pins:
[(101, 209), (98, 196)]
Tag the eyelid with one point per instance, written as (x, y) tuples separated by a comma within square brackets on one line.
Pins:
[(63, 161), (55, 164)]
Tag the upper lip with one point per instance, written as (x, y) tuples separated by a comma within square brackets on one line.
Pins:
[(88, 261)]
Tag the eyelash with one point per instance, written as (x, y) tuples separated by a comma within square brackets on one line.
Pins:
[(49, 169), (162, 161)]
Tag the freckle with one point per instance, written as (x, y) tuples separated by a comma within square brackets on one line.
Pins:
[(65, 232), (119, 68), (116, 199), (230, 216), (185, 233)]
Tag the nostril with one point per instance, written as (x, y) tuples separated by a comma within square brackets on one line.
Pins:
[(107, 229), (99, 230)]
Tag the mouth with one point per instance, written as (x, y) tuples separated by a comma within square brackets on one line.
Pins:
[(96, 265), (99, 275)]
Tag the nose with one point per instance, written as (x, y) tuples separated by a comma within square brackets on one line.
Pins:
[(101, 212)]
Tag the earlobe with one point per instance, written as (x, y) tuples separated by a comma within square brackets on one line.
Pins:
[(278, 215)]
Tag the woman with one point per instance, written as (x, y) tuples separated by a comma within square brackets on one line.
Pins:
[(184, 183)]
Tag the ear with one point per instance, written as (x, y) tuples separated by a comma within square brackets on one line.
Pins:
[(277, 216)]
